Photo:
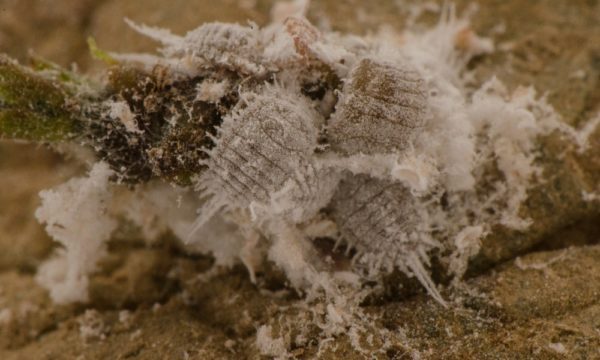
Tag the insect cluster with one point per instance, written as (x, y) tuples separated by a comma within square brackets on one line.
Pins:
[(265, 158), (293, 135)]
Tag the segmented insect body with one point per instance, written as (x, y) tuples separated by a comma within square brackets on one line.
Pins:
[(381, 109), (232, 46), (262, 159), (378, 218)]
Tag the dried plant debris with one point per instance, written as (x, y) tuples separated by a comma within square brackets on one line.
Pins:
[(282, 137), (149, 127)]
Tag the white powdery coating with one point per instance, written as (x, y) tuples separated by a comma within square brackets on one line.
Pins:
[(447, 138), (92, 326), (467, 243), (444, 50), (269, 346), (155, 208), (119, 110), (416, 171), (296, 256), (76, 216), (508, 128), (280, 47), (212, 91), (230, 238), (465, 130)]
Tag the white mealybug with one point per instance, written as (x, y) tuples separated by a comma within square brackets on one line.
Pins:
[(381, 108), (263, 159), (379, 219), (232, 46)]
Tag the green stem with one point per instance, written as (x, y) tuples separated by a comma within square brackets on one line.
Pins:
[(33, 107)]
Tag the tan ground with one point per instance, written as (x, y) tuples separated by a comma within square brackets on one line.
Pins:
[(147, 303)]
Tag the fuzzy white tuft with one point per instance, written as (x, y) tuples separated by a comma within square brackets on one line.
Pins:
[(75, 215)]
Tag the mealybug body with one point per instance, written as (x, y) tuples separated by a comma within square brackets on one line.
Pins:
[(262, 159), (379, 219), (381, 109)]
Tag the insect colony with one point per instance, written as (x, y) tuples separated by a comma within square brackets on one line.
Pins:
[(289, 134)]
